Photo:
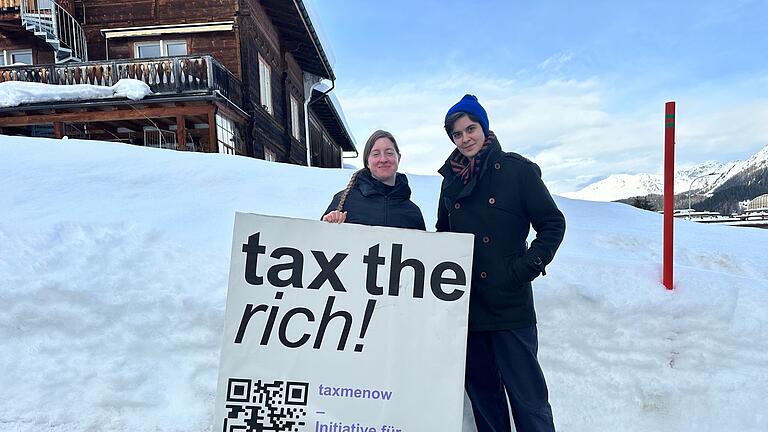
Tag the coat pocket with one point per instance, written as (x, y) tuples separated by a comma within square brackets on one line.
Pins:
[(510, 263)]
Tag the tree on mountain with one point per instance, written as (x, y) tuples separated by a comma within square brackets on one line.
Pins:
[(642, 202)]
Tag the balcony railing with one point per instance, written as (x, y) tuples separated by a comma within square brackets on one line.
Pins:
[(164, 75), (10, 4)]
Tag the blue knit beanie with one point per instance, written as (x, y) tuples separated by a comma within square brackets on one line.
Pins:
[(470, 105)]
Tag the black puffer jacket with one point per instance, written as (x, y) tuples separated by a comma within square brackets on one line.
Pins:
[(371, 202), (499, 208)]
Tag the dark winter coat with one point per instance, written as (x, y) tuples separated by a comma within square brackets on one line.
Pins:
[(499, 207), (371, 202)]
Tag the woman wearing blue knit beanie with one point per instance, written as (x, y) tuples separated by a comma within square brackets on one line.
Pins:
[(498, 197)]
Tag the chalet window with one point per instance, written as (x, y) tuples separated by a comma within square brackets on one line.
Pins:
[(13, 57), (176, 48), (226, 135), (160, 48), (270, 156), (295, 122), (21, 57), (148, 50), (265, 84)]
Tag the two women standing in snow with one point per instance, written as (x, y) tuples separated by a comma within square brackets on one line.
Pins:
[(498, 196), (377, 194)]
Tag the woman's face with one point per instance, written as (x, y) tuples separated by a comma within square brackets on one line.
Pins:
[(383, 161), (468, 136)]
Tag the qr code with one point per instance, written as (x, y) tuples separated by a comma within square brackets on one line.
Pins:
[(257, 406)]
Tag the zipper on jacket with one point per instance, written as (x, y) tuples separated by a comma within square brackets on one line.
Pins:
[(386, 213)]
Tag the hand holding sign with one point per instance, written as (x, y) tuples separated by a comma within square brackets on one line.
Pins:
[(401, 296)]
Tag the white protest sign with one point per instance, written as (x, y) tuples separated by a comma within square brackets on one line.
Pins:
[(343, 328)]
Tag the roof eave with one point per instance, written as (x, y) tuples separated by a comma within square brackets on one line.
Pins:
[(315, 38)]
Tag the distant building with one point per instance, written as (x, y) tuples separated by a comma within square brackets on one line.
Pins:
[(228, 76), (755, 215), (759, 203)]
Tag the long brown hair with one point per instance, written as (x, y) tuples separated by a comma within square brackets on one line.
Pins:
[(344, 194)]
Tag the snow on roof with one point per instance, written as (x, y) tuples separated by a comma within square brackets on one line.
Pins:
[(309, 5), (15, 93), (323, 87)]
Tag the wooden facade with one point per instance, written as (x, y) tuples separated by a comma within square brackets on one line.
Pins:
[(238, 69)]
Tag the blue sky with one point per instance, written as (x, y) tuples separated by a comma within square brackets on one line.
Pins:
[(577, 86)]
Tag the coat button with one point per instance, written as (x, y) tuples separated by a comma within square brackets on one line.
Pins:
[(497, 166), (483, 275), (486, 239), (457, 205), (492, 200)]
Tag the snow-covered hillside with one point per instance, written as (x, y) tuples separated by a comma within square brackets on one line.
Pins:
[(620, 186), (711, 175), (757, 162), (114, 260)]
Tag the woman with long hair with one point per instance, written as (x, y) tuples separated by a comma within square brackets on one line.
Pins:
[(377, 194)]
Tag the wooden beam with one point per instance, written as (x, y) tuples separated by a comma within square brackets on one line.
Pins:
[(232, 114), (58, 130), (198, 119), (284, 18), (11, 24), (133, 125), (100, 116), (112, 126), (181, 133), (213, 145), (162, 123)]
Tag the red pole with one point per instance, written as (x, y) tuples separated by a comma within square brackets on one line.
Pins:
[(669, 191)]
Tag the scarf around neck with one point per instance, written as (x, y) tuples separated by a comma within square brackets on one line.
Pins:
[(466, 168)]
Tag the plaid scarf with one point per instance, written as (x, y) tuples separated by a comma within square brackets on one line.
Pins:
[(466, 168)]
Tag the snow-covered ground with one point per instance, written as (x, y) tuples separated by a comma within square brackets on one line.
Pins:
[(113, 273)]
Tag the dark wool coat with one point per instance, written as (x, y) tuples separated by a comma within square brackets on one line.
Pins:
[(499, 208), (371, 202)]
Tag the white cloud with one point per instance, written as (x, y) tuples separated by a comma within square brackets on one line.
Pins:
[(556, 62), (733, 129), (571, 128)]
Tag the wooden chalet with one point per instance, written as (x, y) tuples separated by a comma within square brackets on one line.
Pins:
[(246, 77)]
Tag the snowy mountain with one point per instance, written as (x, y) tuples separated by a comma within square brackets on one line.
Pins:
[(619, 186), (114, 261), (745, 181), (745, 171)]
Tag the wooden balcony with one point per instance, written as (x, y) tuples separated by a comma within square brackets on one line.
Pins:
[(10, 16), (165, 75), (10, 4)]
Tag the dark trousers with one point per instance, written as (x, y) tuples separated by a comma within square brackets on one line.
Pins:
[(506, 360)]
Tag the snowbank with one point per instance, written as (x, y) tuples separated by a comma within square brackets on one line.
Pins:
[(114, 263)]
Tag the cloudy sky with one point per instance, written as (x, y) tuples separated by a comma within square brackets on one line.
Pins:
[(579, 87)]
